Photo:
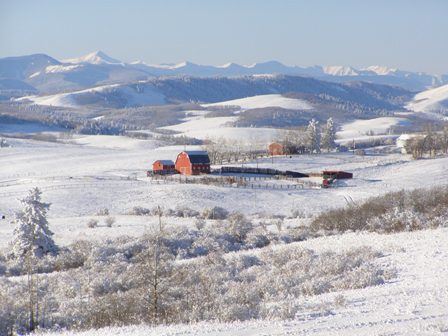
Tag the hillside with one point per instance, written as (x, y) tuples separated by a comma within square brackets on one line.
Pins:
[(370, 97), (433, 102)]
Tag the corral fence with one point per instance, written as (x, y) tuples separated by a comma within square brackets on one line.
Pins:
[(260, 171), (250, 182)]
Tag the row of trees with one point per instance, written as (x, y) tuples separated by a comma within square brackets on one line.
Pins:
[(429, 143), (313, 140)]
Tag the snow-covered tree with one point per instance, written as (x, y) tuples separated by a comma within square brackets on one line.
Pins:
[(313, 136), (32, 234), (329, 136)]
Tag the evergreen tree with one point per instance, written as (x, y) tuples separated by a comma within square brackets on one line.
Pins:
[(329, 136), (313, 136), (32, 233)]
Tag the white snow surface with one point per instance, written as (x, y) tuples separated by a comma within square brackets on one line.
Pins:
[(412, 303), (69, 99), (269, 100), (61, 68), (434, 101), (381, 70), (198, 123), (94, 172), (255, 135), (378, 126), (96, 57), (340, 70)]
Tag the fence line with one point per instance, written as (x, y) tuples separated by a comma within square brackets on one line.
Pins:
[(236, 182)]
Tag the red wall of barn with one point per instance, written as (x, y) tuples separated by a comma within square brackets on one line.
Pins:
[(276, 149), (183, 164)]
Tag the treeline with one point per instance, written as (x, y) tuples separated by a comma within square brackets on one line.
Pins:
[(429, 143)]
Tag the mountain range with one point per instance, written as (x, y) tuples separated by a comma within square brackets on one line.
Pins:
[(42, 74)]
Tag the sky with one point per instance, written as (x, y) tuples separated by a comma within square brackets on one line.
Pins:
[(406, 34)]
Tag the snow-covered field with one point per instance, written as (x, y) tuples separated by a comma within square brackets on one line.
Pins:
[(95, 172), (84, 174), (271, 100), (377, 126), (413, 303)]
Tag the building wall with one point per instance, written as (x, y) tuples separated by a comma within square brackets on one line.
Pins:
[(276, 149), (183, 164)]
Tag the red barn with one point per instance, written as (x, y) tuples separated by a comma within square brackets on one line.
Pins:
[(193, 163), (276, 148), (163, 167)]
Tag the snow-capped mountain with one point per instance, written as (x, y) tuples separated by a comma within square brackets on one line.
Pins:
[(96, 57), (46, 75), (338, 70)]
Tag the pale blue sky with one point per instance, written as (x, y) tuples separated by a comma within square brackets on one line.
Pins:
[(411, 34)]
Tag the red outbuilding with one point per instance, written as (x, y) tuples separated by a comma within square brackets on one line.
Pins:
[(193, 163), (163, 167), (276, 148), (337, 174)]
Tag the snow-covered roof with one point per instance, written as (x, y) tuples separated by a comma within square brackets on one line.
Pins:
[(196, 153), (166, 162)]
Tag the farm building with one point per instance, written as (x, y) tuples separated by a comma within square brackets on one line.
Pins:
[(276, 148), (193, 163), (337, 174), (163, 167)]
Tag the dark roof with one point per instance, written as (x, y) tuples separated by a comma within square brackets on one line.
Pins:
[(198, 157), (166, 162)]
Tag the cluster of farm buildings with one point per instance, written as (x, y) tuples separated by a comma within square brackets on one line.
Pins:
[(187, 163), (198, 163)]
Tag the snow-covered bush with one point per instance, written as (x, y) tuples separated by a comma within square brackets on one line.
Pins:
[(92, 223), (185, 212), (139, 211), (109, 221), (102, 212), (393, 212), (215, 213)]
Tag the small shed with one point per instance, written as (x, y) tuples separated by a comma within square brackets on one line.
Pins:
[(193, 163), (163, 167), (276, 148), (337, 174)]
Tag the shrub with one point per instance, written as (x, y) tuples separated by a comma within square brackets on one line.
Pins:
[(92, 223), (392, 212), (109, 221), (103, 212), (215, 213), (185, 212), (140, 211)]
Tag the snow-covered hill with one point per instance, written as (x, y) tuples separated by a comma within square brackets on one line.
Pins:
[(434, 101), (114, 96), (413, 304), (270, 100), (268, 89)]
